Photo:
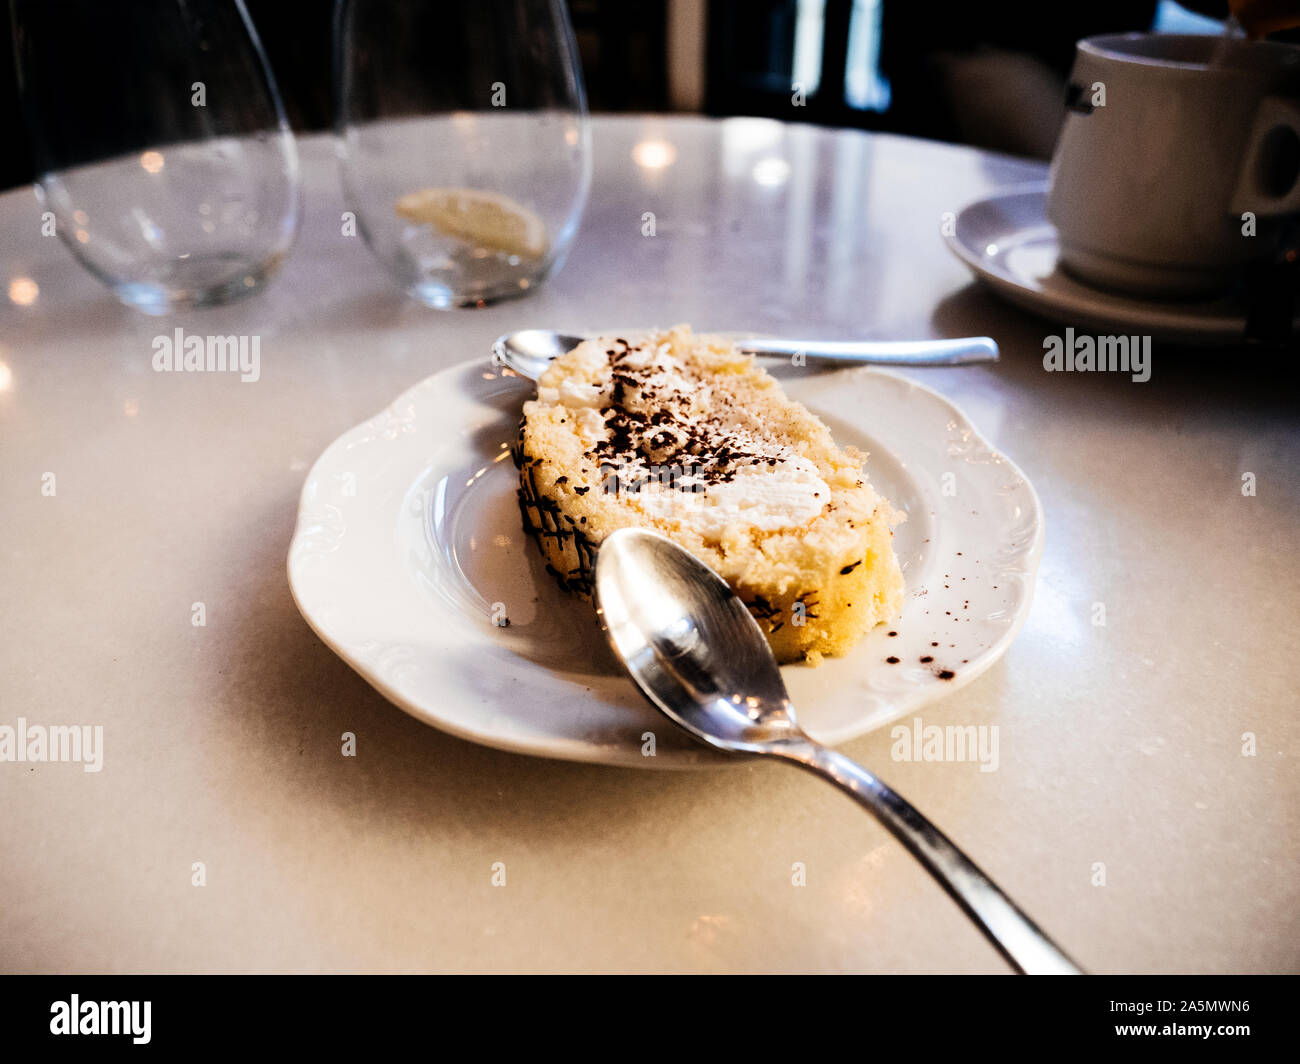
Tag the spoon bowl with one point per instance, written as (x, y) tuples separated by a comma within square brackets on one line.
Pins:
[(708, 667), (529, 351)]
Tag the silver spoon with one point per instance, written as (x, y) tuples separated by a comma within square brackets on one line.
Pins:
[(528, 351), (697, 654)]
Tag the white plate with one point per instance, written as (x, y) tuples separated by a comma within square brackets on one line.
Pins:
[(1010, 245), (409, 533)]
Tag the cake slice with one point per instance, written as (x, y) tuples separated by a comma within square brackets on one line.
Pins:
[(685, 435)]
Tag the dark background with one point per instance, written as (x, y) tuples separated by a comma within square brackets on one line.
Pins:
[(933, 56)]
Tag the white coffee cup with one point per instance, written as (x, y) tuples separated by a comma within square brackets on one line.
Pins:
[(1171, 146)]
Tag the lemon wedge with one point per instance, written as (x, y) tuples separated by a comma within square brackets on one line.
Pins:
[(477, 216)]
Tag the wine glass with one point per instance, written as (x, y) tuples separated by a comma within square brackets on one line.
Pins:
[(463, 141), (163, 156)]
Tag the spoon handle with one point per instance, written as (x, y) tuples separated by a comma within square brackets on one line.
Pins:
[(883, 352), (1016, 936)]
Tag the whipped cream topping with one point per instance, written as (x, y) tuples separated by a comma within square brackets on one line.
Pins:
[(674, 447)]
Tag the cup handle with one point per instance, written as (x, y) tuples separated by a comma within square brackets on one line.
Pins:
[(1275, 113)]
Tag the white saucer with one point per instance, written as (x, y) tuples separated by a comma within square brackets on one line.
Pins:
[(1009, 244), (408, 533)]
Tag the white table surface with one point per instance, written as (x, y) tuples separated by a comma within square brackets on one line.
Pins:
[(1120, 745)]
